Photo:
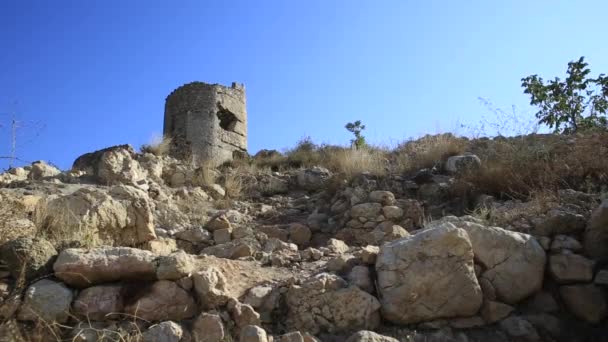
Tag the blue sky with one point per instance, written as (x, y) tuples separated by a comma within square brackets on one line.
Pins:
[(96, 73)]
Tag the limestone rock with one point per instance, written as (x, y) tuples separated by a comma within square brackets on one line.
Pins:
[(561, 242), (41, 170), (595, 240), (383, 197), (34, 256), (558, 221), (492, 311), (568, 268), (366, 210), (83, 268), (243, 314), (318, 305), (299, 234), (253, 333), (463, 163), (601, 278), (445, 284), (360, 276), (123, 217), (211, 286), (47, 300), (174, 266), (337, 246), (163, 332), (208, 328), (162, 300), (519, 328), (508, 257), (387, 232), (313, 179), (369, 336), (112, 165), (97, 303), (392, 212), (294, 336), (368, 254), (587, 302)]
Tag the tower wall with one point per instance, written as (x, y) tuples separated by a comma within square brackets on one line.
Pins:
[(206, 122)]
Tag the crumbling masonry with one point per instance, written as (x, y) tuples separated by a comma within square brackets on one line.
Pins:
[(207, 123)]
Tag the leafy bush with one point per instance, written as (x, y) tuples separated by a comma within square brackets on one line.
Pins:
[(576, 103)]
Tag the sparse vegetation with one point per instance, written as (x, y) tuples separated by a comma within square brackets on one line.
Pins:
[(159, 146), (576, 103), (356, 128)]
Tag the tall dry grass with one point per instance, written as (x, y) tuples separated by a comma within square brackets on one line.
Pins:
[(158, 146)]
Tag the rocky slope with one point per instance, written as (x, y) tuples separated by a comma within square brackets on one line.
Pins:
[(138, 247)]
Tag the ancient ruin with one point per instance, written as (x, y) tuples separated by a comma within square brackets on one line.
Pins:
[(207, 123)]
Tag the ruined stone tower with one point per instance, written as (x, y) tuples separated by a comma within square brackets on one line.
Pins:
[(206, 122)]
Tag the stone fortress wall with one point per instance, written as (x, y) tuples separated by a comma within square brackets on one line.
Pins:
[(206, 122)]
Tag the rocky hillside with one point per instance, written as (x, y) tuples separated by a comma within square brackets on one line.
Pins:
[(442, 239)]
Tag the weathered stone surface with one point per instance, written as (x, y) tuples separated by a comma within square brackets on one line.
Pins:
[(208, 328), (253, 333), (121, 217), (463, 163), (568, 268), (508, 257), (595, 239), (294, 336), (98, 303), (112, 165), (207, 123), (387, 232), (313, 179), (163, 300), (211, 287), (318, 305), (492, 311), (368, 254), (299, 234), (83, 268), (337, 246), (366, 210), (382, 197), (587, 302), (41, 170), (47, 300), (243, 314), (561, 242), (34, 256), (392, 212), (519, 328), (445, 284), (360, 277), (558, 221), (175, 266), (369, 336), (163, 332)]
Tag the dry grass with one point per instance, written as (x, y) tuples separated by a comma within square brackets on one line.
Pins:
[(519, 167), (427, 152), (350, 162), (204, 176), (158, 146)]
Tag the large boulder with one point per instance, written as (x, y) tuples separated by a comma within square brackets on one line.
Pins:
[(586, 301), (595, 241), (570, 268), (463, 163), (427, 276), (319, 305), (32, 256), (513, 263), (123, 217), (112, 165), (83, 268), (99, 303), (41, 170), (46, 300), (313, 179)]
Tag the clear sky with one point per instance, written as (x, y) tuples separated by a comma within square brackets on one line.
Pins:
[(96, 73)]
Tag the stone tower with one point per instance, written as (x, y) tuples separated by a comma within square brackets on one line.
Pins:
[(206, 122)]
